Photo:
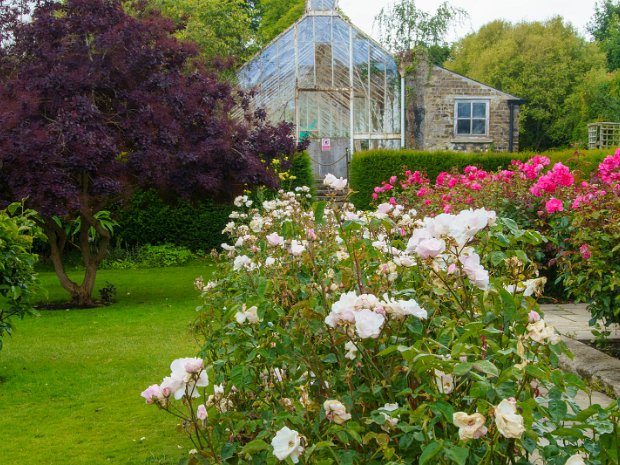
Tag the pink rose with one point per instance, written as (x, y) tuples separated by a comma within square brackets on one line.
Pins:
[(201, 413), (585, 252), (554, 205)]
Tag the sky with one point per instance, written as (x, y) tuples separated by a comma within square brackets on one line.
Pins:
[(577, 12)]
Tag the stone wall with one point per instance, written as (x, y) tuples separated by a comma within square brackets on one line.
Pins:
[(431, 95)]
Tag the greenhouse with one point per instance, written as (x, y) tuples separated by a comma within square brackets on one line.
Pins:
[(338, 86)]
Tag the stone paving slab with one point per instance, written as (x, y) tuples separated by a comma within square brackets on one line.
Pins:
[(572, 320)]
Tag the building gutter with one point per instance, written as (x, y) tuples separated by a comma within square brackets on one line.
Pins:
[(512, 103), (402, 112)]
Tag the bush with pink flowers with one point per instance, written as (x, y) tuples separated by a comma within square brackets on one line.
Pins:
[(334, 336), (570, 211)]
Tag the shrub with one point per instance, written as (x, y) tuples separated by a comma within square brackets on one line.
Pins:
[(301, 173), (368, 169), (150, 220), (18, 282), (162, 256), (334, 336), (551, 198)]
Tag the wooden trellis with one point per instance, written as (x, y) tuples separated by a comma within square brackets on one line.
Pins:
[(603, 135)]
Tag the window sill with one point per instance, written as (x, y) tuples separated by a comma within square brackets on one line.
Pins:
[(472, 140)]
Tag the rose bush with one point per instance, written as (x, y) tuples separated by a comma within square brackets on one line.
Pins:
[(575, 214), (333, 336)]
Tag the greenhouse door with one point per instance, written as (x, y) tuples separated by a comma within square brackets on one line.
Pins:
[(324, 118)]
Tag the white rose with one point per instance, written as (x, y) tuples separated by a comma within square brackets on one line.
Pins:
[(509, 423), (338, 184), (343, 310), (287, 443), (187, 374), (368, 324), (540, 332), (403, 308), (351, 349), (386, 411), (336, 411), (576, 459), (445, 382), (470, 426), (297, 248)]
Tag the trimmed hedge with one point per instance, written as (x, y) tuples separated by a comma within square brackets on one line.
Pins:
[(149, 220), (369, 169)]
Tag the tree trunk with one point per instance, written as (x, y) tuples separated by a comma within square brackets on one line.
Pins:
[(81, 294)]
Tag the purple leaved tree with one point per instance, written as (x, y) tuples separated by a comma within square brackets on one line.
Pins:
[(94, 102)]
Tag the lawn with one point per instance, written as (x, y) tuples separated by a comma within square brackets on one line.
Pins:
[(70, 380)]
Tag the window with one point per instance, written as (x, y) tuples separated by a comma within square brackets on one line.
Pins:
[(472, 117)]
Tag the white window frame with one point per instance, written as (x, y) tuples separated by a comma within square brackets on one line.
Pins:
[(471, 101)]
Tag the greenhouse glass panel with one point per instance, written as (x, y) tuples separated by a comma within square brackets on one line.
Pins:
[(322, 5), (336, 85)]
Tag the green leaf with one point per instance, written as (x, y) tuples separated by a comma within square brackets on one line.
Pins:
[(255, 446), (430, 451), (319, 212), (457, 454), (330, 358), (486, 367)]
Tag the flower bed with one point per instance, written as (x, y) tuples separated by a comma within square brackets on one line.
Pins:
[(333, 336)]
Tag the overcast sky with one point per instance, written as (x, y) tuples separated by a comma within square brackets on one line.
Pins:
[(577, 12)]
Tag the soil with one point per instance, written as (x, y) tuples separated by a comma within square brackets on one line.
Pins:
[(610, 347)]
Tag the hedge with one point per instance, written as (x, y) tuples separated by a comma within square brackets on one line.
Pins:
[(149, 220), (368, 169)]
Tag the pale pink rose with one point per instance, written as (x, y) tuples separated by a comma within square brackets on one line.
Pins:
[(153, 394), (201, 413), (576, 459), (430, 248), (534, 316), (275, 240)]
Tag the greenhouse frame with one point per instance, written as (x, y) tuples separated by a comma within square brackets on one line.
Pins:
[(340, 88)]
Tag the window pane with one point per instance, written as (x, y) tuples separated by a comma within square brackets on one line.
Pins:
[(463, 126), (480, 110), (479, 126), (464, 110)]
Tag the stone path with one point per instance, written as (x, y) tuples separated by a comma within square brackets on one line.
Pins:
[(572, 320)]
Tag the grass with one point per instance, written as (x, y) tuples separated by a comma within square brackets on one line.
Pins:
[(70, 380)]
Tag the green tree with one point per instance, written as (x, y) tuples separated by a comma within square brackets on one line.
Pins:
[(404, 27), (596, 98), (543, 63), (222, 28), (605, 28), (277, 16)]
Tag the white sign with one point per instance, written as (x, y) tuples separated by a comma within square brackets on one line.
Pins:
[(326, 145)]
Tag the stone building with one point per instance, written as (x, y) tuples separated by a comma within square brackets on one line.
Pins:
[(448, 111), (344, 91)]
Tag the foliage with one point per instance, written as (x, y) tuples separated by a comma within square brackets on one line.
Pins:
[(76, 371), (18, 281), (93, 101), (148, 219), (333, 336), (277, 16), (300, 172), (605, 28), (542, 63), (163, 256), (404, 27), (596, 98), (369, 169), (220, 28)]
